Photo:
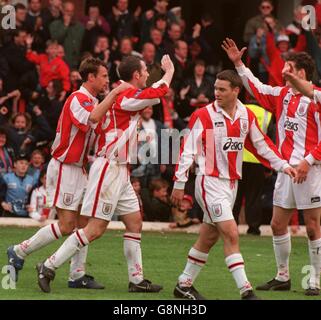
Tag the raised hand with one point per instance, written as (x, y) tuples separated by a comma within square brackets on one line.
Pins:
[(233, 52), (123, 87), (167, 64)]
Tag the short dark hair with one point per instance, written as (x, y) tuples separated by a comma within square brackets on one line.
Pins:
[(207, 17), (157, 184), (4, 132), (20, 6), (269, 1), (90, 65), (303, 60), (232, 77), (200, 62), (51, 42), (128, 66)]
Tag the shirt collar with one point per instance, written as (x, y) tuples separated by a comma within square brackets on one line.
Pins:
[(238, 113), (87, 93)]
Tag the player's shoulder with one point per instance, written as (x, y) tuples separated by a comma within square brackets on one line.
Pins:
[(130, 93), (79, 98)]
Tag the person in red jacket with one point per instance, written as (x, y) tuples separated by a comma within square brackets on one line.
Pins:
[(51, 66), (276, 51)]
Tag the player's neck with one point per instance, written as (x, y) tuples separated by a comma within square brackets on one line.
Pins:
[(90, 89), (135, 84), (230, 110)]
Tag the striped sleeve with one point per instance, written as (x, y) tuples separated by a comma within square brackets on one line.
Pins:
[(139, 99), (80, 109), (315, 155), (188, 152), (263, 148), (317, 96), (266, 95)]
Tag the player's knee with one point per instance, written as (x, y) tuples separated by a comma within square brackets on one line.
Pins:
[(96, 235), (311, 232), (277, 228), (67, 228), (232, 237)]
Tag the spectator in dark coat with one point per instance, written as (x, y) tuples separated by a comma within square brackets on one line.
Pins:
[(15, 54), (157, 207), (122, 21)]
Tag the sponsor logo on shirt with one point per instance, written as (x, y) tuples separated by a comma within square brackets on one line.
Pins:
[(219, 125), (233, 144), (86, 104), (291, 124)]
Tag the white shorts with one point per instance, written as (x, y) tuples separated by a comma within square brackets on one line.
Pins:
[(216, 197), (65, 185), (289, 195), (109, 191)]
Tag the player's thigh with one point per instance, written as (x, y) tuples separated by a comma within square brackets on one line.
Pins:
[(308, 194), (103, 190), (128, 209), (71, 184), (284, 196), (216, 197)]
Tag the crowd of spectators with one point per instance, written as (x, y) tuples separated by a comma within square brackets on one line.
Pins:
[(38, 71)]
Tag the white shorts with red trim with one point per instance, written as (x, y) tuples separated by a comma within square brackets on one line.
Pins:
[(216, 197), (109, 191), (65, 185), (289, 195)]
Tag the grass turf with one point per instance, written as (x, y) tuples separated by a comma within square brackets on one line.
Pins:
[(164, 257)]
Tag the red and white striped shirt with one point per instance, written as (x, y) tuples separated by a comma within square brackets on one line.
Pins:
[(216, 142), (120, 124), (74, 132), (298, 119), (317, 96)]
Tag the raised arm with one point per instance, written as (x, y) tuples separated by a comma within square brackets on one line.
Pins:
[(305, 87), (264, 94), (140, 99)]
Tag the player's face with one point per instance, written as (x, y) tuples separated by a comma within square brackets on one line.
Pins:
[(101, 82), (225, 95), (143, 76), (299, 73)]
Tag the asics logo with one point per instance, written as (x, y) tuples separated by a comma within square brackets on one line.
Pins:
[(291, 125), (84, 283), (233, 145)]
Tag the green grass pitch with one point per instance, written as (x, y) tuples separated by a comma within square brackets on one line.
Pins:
[(164, 257)]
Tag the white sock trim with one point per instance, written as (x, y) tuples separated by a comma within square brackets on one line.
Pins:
[(81, 237), (282, 239)]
